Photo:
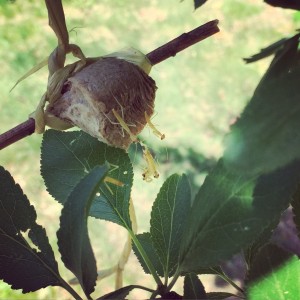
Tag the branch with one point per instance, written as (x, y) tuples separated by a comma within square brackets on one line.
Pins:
[(156, 56)]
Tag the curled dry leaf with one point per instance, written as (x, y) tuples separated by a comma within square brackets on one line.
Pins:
[(88, 97)]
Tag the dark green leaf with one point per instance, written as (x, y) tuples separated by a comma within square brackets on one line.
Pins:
[(291, 4), (265, 52), (22, 266), (219, 295), (146, 243), (211, 270), (73, 240), (266, 136), (296, 209), (193, 287), (168, 218), (230, 211), (198, 3), (259, 242), (68, 156), (274, 275), (119, 294)]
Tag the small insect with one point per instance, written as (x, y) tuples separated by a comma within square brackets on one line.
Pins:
[(154, 129), (112, 180), (125, 126), (151, 168)]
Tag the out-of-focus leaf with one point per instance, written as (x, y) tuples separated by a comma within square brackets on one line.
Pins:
[(168, 218), (119, 294), (274, 275), (193, 287), (296, 209), (22, 266), (266, 136), (198, 3), (230, 211), (68, 156), (73, 241), (265, 52), (146, 243), (291, 4)]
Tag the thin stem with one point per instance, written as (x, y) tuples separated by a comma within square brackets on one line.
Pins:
[(156, 56), (68, 288), (228, 280), (174, 280), (145, 258)]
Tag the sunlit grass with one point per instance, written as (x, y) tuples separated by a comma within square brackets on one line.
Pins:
[(200, 92)]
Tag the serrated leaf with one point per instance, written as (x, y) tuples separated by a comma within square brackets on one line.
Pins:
[(230, 211), (22, 266), (168, 218), (68, 156), (119, 294), (266, 136), (274, 275), (193, 287), (219, 295), (146, 243), (73, 241), (265, 52), (198, 3)]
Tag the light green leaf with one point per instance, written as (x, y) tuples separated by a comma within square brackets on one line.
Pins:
[(230, 211), (146, 243), (168, 218), (193, 287), (68, 156), (266, 136), (23, 266), (275, 274), (73, 240)]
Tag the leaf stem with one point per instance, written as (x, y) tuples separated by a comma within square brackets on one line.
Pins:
[(68, 288), (145, 258), (228, 280), (174, 279)]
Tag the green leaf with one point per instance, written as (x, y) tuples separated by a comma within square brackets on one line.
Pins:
[(296, 209), (168, 218), (146, 243), (119, 294), (230, 211), (220, 295), (198, 3), (265, 52), (73, 240), (193, 287), (266, 136), (274, 275), (23, 266), (68, 156), (291, 4)]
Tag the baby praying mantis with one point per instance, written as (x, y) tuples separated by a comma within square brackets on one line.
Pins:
[(150, 170), (154, 129)]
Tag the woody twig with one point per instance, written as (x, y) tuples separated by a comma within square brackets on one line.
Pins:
[(156, 56)]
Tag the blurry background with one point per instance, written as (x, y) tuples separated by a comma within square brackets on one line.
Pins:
[(200, 93)]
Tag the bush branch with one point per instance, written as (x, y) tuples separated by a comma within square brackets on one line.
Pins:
[(156, 56)]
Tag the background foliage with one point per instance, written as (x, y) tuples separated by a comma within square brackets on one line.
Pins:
[(195, 88)]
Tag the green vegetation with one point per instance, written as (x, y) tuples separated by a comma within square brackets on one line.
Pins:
[(200, 93)]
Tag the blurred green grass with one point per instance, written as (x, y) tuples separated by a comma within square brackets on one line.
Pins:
[(200, 92)]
